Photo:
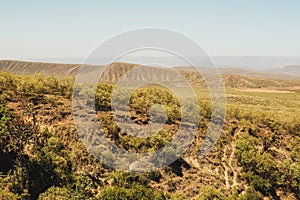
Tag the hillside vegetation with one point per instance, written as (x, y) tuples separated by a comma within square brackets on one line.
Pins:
[(256, 157)]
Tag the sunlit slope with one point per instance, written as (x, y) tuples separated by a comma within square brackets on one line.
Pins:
[(233, 78), (29, 68)]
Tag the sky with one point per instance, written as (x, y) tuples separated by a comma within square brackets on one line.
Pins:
[(72, 29)]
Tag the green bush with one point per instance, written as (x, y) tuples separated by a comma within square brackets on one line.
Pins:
[(211, 193), (136, 192), (58, 193), (251, 194)]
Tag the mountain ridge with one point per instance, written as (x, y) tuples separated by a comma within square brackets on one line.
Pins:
[(289, 69), (233, 78)]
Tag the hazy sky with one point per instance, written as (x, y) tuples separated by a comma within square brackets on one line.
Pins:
[(64, 29)]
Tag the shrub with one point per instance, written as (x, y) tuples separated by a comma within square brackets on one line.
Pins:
[(58, 193), (136, 192), (211, 193)]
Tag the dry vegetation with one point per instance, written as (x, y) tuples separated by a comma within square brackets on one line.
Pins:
[(256, 157)]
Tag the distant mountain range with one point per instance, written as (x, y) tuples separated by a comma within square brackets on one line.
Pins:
[(234, 78), (280, 74), (257, 63), (291, 70)]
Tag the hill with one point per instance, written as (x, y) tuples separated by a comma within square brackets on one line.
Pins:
[(273, 74), (29, 68), (233, 78), (290, 70), (256, 157)]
